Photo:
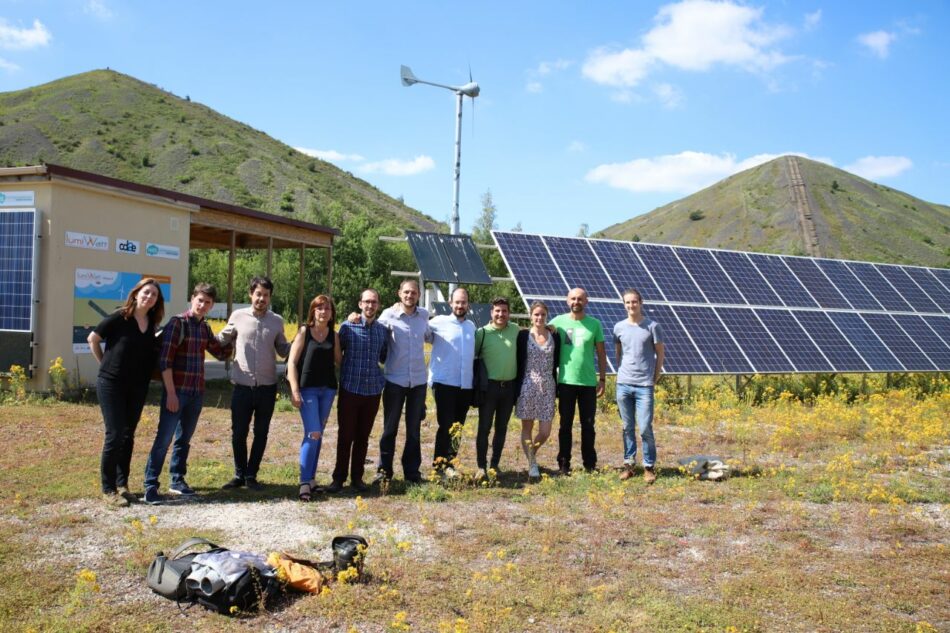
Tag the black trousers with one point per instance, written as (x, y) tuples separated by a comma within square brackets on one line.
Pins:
[(121, 406), (246, 403), (451, 406), (498, 403), (570, 398), (414, 401)]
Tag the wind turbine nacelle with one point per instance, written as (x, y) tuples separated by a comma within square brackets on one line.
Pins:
[(470, 89)]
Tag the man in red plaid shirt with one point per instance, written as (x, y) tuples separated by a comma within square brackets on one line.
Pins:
[(185, 339)]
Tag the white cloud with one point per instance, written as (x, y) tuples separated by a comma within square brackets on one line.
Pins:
[(875, 167), (878, 42), (685, 172), (546, 68), (669, 95), (330, 155), (577, 147), (98, 9), (812, 20), (623, 68), (8, 66), (693, 35), (396, 167), (13, 38)]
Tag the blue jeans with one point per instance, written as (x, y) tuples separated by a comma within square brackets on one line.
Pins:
[(314, 410), (636, 411), (180, 425)]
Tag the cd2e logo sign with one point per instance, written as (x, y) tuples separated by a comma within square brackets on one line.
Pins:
[(129, 247)]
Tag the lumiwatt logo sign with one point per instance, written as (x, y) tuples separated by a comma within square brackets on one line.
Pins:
[(87, 240)]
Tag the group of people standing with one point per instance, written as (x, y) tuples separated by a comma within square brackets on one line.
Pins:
[(373, 357)]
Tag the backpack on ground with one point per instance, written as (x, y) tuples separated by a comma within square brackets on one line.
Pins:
[(251, 590), (166, 575)]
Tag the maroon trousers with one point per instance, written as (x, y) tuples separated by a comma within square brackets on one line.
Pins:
[(355, 415)]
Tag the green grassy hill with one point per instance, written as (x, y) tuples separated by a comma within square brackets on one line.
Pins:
[(113, 124), (754, 210)]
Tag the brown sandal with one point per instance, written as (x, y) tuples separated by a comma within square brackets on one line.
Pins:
[(305, 492)]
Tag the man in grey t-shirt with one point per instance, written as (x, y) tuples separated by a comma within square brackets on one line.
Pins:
[(639, 350)]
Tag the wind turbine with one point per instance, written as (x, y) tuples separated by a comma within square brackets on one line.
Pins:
[(471, 90)]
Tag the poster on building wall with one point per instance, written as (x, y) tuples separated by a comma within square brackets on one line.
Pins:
[(98, 293)]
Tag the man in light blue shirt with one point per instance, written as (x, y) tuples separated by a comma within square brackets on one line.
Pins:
[(450, 374), (406, 377)]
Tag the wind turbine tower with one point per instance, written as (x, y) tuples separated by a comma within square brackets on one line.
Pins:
[(470, 90)]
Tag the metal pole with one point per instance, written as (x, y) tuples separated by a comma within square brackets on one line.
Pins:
[(458, 162), (458, 171)]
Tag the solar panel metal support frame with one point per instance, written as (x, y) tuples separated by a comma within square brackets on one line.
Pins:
[(845, 310)]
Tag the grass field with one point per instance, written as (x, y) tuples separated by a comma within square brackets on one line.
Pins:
[(835, 519)]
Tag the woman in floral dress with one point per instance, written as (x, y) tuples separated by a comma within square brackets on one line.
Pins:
[(538, 351)]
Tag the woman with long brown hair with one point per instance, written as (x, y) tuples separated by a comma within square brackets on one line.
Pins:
[(311, 372), (125, 367)]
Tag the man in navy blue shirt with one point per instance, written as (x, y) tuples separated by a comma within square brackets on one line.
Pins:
[(364, 345)]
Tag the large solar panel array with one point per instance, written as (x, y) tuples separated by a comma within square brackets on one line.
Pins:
[(730, 312), (17, 256)]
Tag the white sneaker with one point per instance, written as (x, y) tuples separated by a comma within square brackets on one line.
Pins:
[(450, 473), (534, 472), (479, 474)]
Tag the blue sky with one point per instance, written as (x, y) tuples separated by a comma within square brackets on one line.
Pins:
[(589, 113)]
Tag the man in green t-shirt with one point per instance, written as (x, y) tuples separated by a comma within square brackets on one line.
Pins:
[(496, 343), (580, 383)]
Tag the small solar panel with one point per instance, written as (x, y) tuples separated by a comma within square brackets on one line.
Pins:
[(795, 342), (626, 269), (908, 289), (713, 340), (865, 342), (926, 338), (759, 346), (929, 284), (817, 283), (848, 285), (580, 267), (668, 273), (478, 313), (786, 284), (709, 276), (17, 257), (897, 341), (447, 258), (531, 265), (878, 286), (468, 264), (833, 344), (747, 277), (433, 263), (681, 355)]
